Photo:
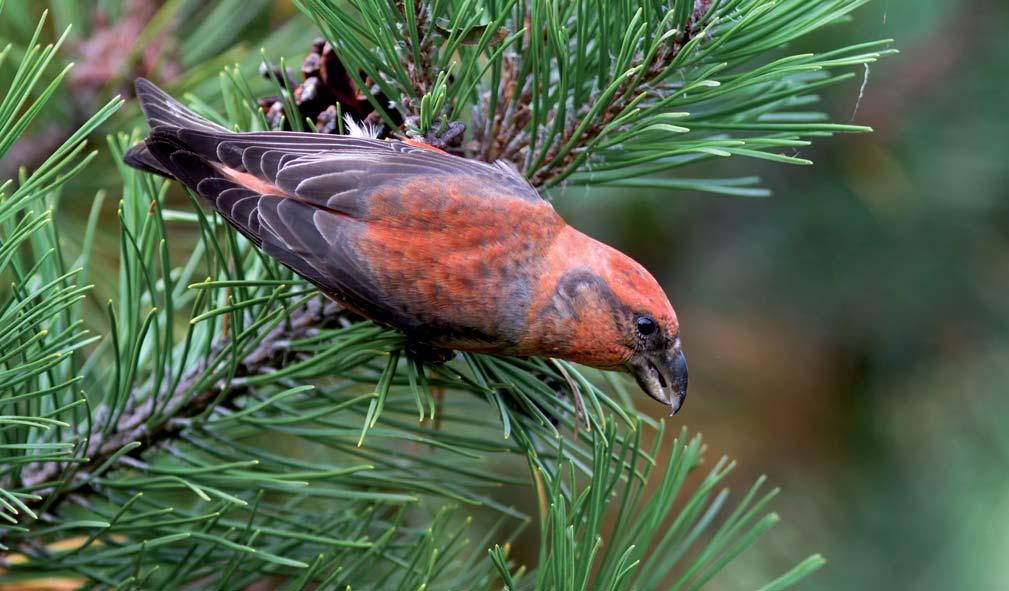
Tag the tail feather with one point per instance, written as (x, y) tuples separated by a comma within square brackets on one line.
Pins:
[(140, 157), (166, 114), (162, 110)]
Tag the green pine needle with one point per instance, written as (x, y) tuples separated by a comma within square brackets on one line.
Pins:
[(218, 424)]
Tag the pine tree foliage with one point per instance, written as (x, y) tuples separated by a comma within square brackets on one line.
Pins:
[(602, 91), (214, 423)]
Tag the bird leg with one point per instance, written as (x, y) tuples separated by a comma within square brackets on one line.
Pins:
[(444, 135), (429, 354), (439, 400)]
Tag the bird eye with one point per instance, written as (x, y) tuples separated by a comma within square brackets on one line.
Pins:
[(646, 325)]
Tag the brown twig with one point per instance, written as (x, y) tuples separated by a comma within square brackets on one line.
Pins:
[(628, 91), (174, 409), (505, 137)]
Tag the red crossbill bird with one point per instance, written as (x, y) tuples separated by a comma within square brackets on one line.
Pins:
[(453, 252)]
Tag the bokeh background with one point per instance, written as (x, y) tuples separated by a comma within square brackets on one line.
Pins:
[(848, 336)]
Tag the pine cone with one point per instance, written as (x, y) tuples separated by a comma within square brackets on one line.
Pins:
[(325, 84)]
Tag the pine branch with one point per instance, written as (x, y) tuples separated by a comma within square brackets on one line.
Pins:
[(587, 92), (134, 425), (648, 82), (569, 92)]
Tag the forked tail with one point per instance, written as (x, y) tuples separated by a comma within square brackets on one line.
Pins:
[(164, 112)]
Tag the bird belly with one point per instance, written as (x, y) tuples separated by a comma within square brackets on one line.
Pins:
[(453, 291)]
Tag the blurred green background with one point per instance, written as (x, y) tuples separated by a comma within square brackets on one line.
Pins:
[(848, 337)]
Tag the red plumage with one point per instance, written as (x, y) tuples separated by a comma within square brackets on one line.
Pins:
[(454, 252)]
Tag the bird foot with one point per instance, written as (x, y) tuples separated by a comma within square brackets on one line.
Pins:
[(444, 135), (428, 353)]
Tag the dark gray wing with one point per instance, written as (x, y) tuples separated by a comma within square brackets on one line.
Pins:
[(317, 244), (339, 171), (307, 199)]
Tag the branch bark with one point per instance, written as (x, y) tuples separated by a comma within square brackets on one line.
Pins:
[(317, 314), (506, 137)]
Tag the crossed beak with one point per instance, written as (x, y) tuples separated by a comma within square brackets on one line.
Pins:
[(662, 375)]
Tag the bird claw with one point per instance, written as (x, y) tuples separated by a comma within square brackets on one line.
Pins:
[(444, 135), (428, 353)]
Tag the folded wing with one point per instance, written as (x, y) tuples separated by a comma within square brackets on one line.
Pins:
[(333, 207)]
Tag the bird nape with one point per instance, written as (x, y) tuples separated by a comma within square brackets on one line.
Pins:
[(454, 252)]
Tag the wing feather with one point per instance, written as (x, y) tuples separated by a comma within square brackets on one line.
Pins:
[(368, 221), (289, 158)]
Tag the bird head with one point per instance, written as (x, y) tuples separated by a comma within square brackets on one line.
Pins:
[(600, 308)]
